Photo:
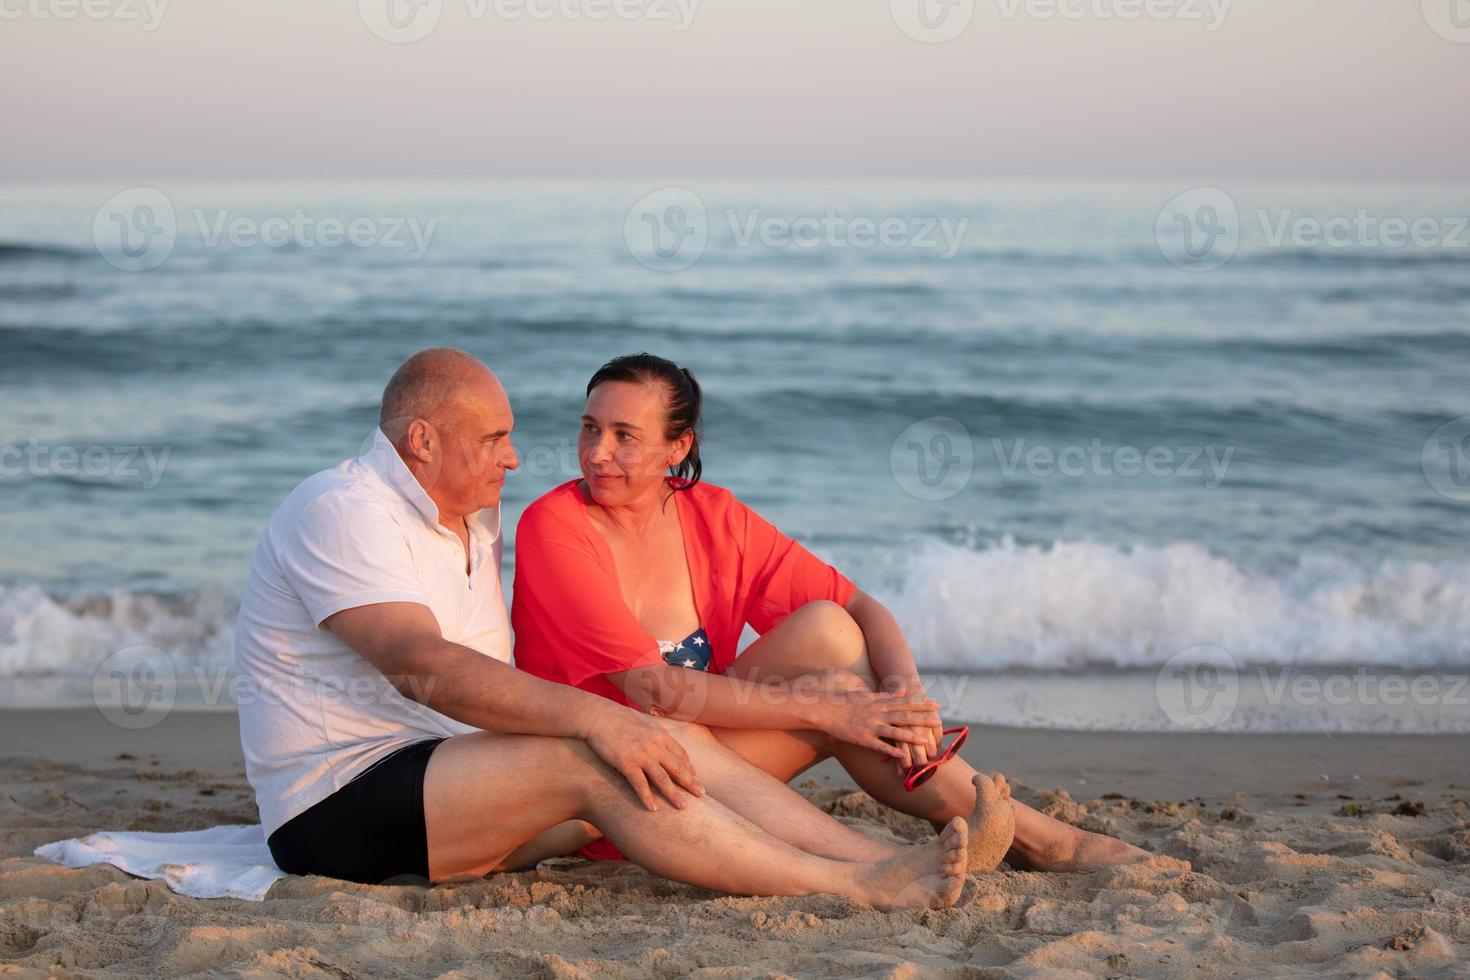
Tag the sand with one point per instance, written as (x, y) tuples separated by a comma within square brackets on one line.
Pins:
[(1313, 856)]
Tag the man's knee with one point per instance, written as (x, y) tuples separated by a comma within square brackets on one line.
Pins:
[(548, 756)]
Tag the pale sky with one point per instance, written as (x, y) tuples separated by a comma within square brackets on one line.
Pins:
[(1296, 89)]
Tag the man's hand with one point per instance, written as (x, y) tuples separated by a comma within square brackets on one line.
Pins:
[(644, 753)]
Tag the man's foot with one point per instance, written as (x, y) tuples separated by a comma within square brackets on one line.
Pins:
[(1084, 851), (924, 876), (992, 823)]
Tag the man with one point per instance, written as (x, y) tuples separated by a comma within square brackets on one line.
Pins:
[(386, 734)]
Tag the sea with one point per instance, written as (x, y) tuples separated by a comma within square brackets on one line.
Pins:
[(1149, 455)]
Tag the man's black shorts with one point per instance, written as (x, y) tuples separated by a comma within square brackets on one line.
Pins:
[(370, 830)]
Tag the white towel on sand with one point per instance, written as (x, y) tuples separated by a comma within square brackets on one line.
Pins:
[(229, 861)]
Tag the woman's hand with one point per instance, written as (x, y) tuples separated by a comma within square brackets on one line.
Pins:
[(891, 723), (645, 754), (916, 754)]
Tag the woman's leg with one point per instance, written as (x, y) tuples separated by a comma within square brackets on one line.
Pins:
[(821, 636), (769, 802)]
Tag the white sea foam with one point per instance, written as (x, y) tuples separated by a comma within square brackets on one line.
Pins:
[(45, 636), (1077, 605), (1073, 606)]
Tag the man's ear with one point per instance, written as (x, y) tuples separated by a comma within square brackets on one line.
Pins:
[(421, 441)]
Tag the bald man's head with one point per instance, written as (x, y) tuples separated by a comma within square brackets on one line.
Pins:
[(430, 384), (448, 417)]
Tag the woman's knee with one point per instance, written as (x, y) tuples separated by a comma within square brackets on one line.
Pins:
[(832, 629), (825, 614)]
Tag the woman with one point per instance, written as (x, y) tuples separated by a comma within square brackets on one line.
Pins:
[(636, 582)]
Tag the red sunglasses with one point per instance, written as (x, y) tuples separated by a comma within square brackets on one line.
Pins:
[(919, 775)]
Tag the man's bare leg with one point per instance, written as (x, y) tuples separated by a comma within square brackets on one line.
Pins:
[(821, 636), (748, 790), (487, 796)]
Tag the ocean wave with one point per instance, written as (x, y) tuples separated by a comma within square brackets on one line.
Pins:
[(1388, 258), (42, 635), (23, 252), (1310, 433), (1346, 348), (1070, 606), (1080, 605)]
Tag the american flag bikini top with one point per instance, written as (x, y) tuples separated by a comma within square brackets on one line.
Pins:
[(693, 651)]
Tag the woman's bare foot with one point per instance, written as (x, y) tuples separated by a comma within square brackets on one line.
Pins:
[(992, 823), (925, 876), (1084, 851)]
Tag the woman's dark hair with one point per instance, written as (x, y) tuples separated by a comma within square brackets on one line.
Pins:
[(685, 402)]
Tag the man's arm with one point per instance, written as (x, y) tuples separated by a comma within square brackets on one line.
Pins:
[(860, 717), (403, 641)]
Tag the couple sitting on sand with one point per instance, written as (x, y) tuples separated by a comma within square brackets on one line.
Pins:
[(390, 738)]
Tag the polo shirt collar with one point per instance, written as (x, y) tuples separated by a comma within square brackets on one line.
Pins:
[(383, 459)]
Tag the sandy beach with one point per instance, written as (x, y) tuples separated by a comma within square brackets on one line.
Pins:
[(1313, 855)]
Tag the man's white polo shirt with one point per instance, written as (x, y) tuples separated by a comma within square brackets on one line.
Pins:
[(313, 712)]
